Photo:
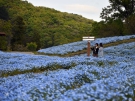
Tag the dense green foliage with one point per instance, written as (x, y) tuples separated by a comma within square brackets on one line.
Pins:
[(44, 26), (119, 19), (31, 46), (118, 9)]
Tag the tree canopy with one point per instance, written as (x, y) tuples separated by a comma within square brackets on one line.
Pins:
[(118, 9), (118, 19)]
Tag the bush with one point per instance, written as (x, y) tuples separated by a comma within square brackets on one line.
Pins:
[(3, 43), (32, 46), (19, 47)]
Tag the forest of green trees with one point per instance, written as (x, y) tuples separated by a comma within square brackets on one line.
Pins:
[(118, 19), (29, 27)]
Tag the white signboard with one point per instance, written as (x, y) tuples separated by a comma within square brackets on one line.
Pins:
[(88, 38)]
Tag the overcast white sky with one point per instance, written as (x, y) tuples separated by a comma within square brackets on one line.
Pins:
[(90, 9)]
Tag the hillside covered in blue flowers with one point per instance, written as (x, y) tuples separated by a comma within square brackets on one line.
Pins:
[(76, 78)]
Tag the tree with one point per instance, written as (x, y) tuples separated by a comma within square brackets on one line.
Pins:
[(18, 30), (130, 25), (96, 28), (5, 26), (110, 28), (36, 38), (118, 9), (3, 13)]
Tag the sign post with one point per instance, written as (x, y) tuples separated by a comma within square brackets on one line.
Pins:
[(88, 38)]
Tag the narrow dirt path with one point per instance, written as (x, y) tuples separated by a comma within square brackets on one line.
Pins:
[(22, 52)]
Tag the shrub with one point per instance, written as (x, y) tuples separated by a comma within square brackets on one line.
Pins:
[(3, 43), (19, 47), (32, 46)]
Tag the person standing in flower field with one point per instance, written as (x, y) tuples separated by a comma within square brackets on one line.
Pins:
[(95, 50), (101, 50)]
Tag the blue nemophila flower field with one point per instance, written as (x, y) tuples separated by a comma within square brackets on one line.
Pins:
[(86, 78), (80, 45)]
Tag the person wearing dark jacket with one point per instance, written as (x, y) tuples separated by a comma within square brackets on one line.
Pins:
[(95, 50)]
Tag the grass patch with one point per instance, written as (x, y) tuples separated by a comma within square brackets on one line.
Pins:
[(119, 42), (111, 63), (52, 67), (100, 63), (79, 80), (70, 54)]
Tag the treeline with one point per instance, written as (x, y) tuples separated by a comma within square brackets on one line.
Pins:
[(27, 27), (118, 19)]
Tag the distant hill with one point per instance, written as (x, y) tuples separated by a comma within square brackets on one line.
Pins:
[(45, 26)]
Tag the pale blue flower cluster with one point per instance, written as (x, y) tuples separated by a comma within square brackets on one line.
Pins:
[(80, 45), (88, 78)]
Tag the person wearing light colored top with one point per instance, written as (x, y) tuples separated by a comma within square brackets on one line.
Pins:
[(101, 53)]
